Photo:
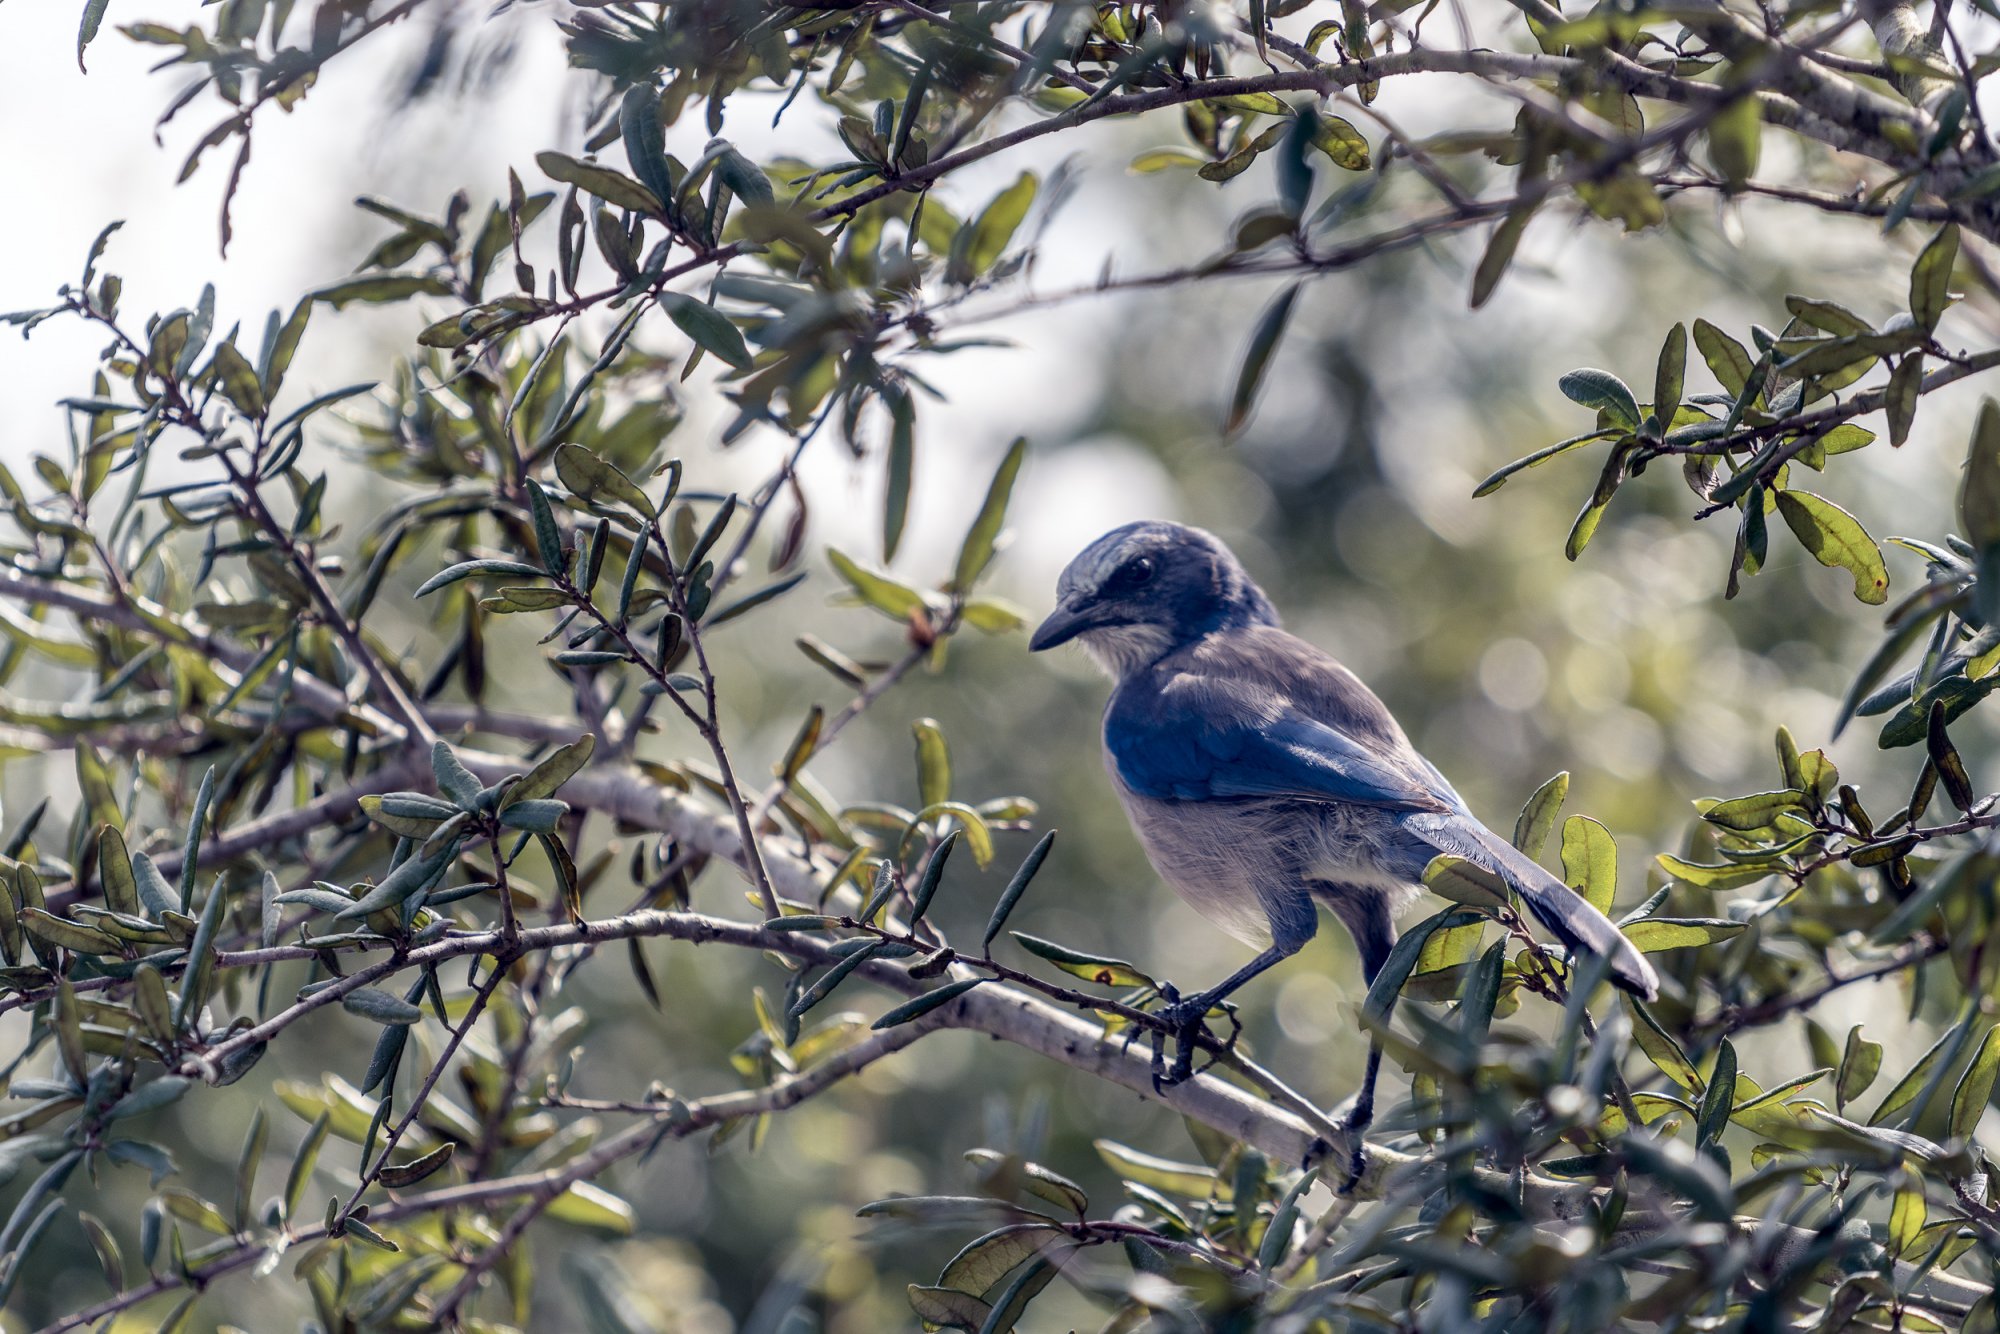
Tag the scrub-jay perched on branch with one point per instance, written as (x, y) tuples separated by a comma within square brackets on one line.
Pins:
[(1263, 778)]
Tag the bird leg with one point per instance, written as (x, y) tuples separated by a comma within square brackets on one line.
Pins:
[(1183, 1017), (1360, 1116)]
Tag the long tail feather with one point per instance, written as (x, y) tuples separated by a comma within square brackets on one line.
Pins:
[(1567, 915)]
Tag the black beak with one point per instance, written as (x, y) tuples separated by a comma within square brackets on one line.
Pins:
[(1065, 623)]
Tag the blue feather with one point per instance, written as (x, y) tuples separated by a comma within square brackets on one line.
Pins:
[(1181, 754)]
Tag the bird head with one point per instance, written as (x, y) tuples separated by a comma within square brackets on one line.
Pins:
[(1143, 590)]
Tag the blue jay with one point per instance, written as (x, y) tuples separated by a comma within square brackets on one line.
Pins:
[(1265, 780)]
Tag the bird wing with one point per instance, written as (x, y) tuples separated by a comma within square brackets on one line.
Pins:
[(1182, 754), (1267, 717)]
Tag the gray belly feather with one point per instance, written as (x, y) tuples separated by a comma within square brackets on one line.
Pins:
[(1254, 868)]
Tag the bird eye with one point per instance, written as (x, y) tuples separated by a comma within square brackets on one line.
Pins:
[(1136, 571)]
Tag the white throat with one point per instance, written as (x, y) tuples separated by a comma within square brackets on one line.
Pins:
[(1120, 650)]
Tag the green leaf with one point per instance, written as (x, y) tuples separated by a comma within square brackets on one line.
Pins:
[(902, 464), (834, 976), (895, 600), (1747, 815), (68, 1025), (1189, 1180), (277, 358), (454, 780), (1257, 357), (645, 140), (165, 1091), (1830, 316), (1016, 887), (383, 1063), (1462, 881), (1388, 983), (745, 179), (1670, 376), (1725, 875), (591, 476), (1278, 1233), (711, 330), (317, 402), (1661, 1047), (184, 1204), (1605, 392), (1906, 1217), (933, 876), (1718, 1099), (1845, 439), (381, 1006), (1650, 935), (467, 569), (1346, 146), (1860, 1062), (993, 616), (1012, 1301), (416, 1169), (548, 537), (1975, 1087), (356, 1228), (592, 1206), (93, 776), (1499, 253), (415, 873), (976, 553), (1728, 360), (109, 1258), (996, 225), (114, 870), (801, 922), (1735, 135), (1160, 159), (1913, 1082), (1979, 493), (948, 1308), (381, 289), (556, 768), (1538, 815), (986, 1260), (191, 845), (1946, 760), (1590, 861), (1592, 513), (1930, 278), (613, 187), (1498, 478), (998, 1169), (237, 379), (247, 1162), (1906, 384), (1445, 958), (62, 932), (1238, 162), (1101, 969), (924, 1004), (933, 762), (153, 1004), (303, 1162), (409, 814), (1836, 538), (86, 32)]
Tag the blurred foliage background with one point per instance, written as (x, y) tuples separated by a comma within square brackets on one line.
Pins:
[(1349, 496)]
